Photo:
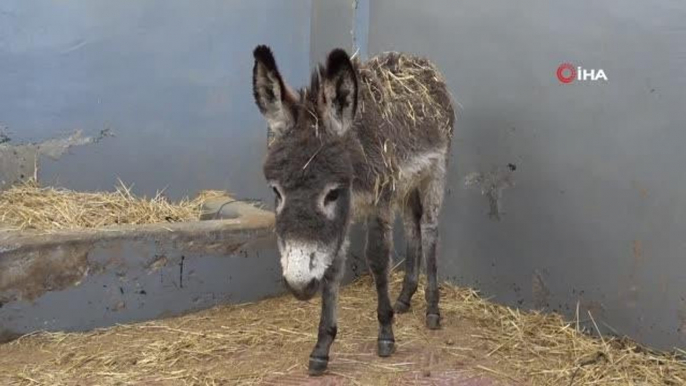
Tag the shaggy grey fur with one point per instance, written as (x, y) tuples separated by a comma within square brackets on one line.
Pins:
[(363, 141)]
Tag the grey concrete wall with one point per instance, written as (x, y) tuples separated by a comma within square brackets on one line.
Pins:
[(596, 207), (79, 280), (171, 79), (331, 26), (338, 23), (361, 28)]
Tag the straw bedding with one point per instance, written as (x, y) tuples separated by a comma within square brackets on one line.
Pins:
[(28, 206), (268, 341)]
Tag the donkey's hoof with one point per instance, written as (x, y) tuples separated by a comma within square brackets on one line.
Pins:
[(401, 307), (317, 366), (433, 321), (386, 348)]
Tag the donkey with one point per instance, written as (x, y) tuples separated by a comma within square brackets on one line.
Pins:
[(362, 141)]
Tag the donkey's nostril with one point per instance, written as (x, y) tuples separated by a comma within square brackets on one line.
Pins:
[(305, 292), (311, 261)]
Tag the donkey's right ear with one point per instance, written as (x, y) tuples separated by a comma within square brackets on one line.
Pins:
[(272, 96)]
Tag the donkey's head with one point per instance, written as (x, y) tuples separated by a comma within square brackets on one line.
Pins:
[(308, 164)]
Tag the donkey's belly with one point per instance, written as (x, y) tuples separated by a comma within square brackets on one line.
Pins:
[(414, 173), (411, 176)]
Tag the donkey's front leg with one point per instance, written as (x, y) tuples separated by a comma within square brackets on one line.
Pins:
[(319, 359), (379, 239)]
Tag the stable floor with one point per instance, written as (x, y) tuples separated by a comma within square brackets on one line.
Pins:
[(268, 343)]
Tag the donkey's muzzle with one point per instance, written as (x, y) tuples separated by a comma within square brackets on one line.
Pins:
[(305, 292)]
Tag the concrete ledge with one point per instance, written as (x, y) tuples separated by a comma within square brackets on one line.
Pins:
[(79, 280)]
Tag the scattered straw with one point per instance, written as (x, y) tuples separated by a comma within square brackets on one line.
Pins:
[(28, 206), (269, 343)]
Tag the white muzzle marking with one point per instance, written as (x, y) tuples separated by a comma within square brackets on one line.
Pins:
[(303, 261)]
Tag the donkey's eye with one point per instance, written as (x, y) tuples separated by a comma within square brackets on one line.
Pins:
[(332, 196), (276, 192)]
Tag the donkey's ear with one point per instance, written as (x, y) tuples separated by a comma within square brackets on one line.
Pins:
[(338, 94), (272, 96)]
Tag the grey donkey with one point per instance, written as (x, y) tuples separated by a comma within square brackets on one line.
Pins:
[(363, 141)]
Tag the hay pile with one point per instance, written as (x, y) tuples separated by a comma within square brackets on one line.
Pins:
[(406, 88), (269, 342), (28, 206)]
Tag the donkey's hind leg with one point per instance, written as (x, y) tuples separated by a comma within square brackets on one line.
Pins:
[(432, 200), (412, 215), (378, 251)]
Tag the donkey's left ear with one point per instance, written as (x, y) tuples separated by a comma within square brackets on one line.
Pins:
[(338, 94)]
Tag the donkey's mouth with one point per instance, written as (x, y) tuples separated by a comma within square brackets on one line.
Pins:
[(305, 292)]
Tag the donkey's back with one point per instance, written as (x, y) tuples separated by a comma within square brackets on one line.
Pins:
[(404, 126)]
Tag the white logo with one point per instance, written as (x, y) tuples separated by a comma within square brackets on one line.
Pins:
[(567, 73)]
